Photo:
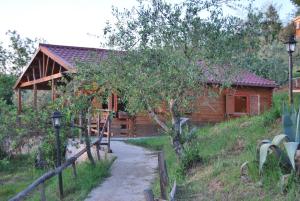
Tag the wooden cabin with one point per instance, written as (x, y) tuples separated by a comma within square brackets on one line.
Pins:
[(249, 95), (297, 26)]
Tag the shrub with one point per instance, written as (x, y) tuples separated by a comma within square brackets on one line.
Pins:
[(291, 136)]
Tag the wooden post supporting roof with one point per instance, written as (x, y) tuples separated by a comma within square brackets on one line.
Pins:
[(115, 102), (53, 96), (34, 96), (19, 95)]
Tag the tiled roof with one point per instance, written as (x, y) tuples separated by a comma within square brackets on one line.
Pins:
[(71, 54), (245, 78)]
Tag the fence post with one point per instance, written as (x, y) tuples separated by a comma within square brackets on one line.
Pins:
[(89, 123), (81, 127), (74, 170), (43, 193), (109, 133), (99, 132), (72, 127), (163, 175)]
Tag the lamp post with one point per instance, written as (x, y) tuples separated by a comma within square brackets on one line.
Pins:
[(56, 124), (290, 48)]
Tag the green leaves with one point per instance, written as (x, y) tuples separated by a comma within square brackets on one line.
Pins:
[(291, 148), (291, 127), (279, 138)]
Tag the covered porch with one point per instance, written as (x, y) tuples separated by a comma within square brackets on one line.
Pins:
[(45, 72)]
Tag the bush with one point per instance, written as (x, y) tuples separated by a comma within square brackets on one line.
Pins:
[(190, 157), (4, 164), (33, 129)]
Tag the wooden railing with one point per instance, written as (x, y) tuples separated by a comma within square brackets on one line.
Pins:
[(69, 162), (164, 181)]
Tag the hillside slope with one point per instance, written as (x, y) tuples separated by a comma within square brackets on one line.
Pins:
[(212, 161), (221, 150)]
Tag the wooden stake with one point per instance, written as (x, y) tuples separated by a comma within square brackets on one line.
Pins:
[(163, 175), (74, 170), (80, 125), (43, 193), (108, 133)]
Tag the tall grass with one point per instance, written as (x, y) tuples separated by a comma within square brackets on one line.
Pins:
[(210, 167), (14, 180)]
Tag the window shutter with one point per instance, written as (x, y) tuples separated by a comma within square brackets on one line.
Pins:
[(229, 104), (263, 104), (254, 105)]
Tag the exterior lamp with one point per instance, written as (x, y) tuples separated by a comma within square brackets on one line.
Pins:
[(56, 117), (290, 48), (291, 44)]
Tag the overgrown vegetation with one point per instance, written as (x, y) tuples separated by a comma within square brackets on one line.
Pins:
[(19, 174), (210, 166)]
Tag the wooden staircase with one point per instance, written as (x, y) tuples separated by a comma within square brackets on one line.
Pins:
[(120, 127)]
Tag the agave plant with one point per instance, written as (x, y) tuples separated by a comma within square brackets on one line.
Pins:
[(290, 139)]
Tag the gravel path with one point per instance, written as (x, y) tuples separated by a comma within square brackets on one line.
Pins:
[(132, 172)]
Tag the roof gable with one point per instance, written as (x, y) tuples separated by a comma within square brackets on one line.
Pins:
[(70, 54)]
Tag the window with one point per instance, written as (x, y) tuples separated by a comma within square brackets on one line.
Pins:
[(240, 104)]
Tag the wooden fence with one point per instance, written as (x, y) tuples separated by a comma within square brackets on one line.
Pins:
[(69, 162), (163, 180)]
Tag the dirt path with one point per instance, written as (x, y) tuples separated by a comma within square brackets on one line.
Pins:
[(133, 171)]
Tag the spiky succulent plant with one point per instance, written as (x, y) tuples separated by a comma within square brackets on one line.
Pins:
[(290, 139)]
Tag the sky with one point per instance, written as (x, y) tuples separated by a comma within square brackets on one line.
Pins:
[(79, 22)]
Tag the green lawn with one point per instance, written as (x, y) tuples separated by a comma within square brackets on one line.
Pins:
[(20, 174), (210, 168)]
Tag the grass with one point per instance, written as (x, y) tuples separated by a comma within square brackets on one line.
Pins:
[(15, 180), (211, 164)]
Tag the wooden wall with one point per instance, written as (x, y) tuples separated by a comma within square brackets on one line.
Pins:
[(208, 109)]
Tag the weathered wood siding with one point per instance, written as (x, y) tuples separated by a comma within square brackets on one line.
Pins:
[(210, 109)]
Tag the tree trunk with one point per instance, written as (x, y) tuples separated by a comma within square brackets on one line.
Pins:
[(157, 120), (87, 140), (175, 117), (176, 142)]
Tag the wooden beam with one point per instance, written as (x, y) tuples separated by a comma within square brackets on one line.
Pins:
[(33, 73), (40, 80), (19, 95), (53, 66), (40, 68), (43, 71), (46, 70)]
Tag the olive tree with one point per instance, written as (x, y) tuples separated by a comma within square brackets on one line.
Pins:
[(165, 53)]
